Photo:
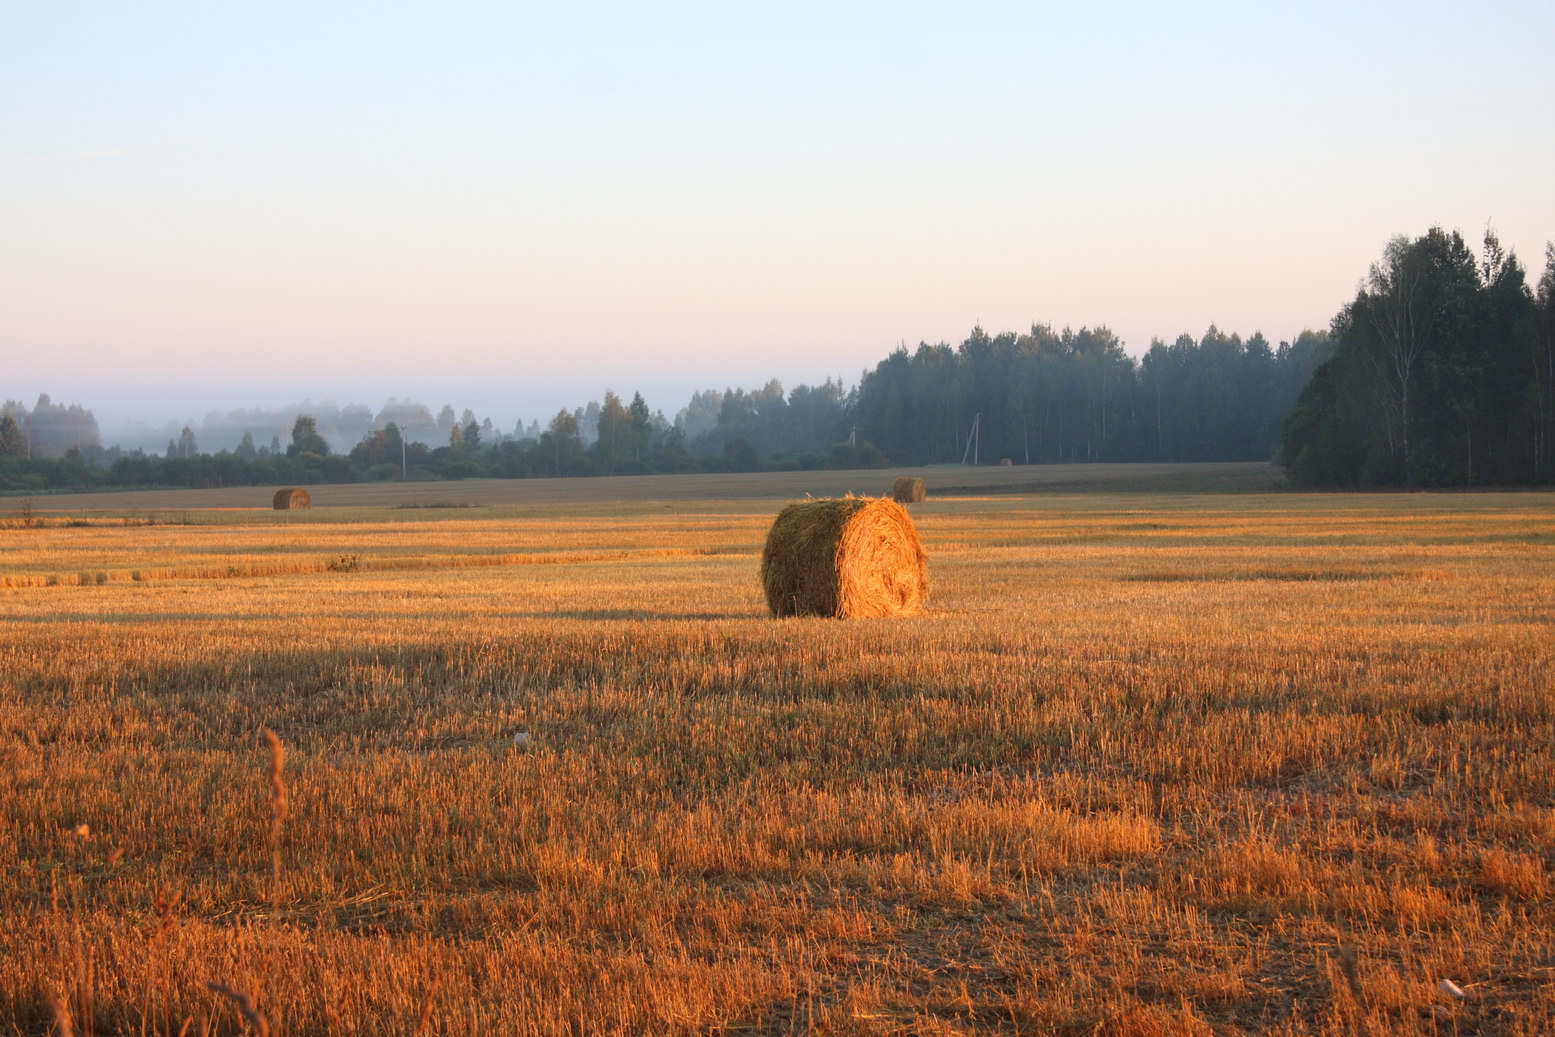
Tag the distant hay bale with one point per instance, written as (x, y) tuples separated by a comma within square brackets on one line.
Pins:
[(1005, 462), (908, 491), (846, 557), (291, 498)]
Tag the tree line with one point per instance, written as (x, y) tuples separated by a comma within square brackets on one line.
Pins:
[(1440, 372), (341, 425), (47, 429), (1046, 397), (1037, 397), (612, 437)]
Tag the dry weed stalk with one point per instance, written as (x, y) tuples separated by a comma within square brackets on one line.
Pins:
[(278, 810), (168, 901), (245, 1005), (427, 1004), (64, 1026), (1349, 966)]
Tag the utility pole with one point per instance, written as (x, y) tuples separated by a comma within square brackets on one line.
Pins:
[(972, 440), (404, 472)]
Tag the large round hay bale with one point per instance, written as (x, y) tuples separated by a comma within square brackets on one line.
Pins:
[(291, 498), (908, 491), (845, 557), (1005, 462)]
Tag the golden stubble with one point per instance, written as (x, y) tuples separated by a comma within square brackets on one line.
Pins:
[(1149, 764)]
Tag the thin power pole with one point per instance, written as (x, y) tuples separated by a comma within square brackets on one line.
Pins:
[(972, 440)]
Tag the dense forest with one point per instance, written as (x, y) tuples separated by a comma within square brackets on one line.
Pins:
[(1049, 397), (1037, 397), (1440, 372)]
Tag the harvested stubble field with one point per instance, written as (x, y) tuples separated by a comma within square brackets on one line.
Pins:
[(1151, 764)]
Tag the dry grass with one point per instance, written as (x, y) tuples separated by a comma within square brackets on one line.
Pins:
[(1150, 765)]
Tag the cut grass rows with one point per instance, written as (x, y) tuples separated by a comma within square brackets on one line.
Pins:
[(1253, 797)]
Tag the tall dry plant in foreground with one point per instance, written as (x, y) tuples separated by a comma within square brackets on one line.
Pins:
[(64, 1025), (256, 1019), (278, 811)]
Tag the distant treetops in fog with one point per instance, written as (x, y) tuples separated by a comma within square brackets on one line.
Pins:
[(47, 430), (1440, 372)]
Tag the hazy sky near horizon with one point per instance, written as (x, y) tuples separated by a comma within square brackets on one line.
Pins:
[(513, 206)]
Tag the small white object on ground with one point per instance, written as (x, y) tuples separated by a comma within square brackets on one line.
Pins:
[(521, 740), (1452, 989)]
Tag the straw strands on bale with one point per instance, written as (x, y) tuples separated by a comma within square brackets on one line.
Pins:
[(846, 557), (908, 491), (291, 498)]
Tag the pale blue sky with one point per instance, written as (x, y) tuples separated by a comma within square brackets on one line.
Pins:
[(512, 206)]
